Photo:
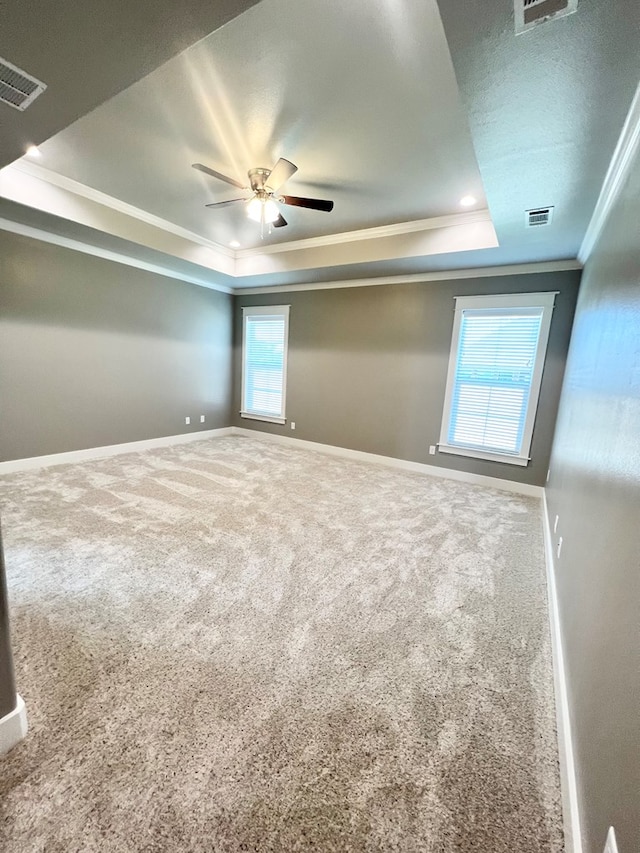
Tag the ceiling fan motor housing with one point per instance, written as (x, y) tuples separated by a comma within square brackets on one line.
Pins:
[(265, 183), (257, 178)]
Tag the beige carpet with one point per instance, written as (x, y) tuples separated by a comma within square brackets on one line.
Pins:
[(234, 646)]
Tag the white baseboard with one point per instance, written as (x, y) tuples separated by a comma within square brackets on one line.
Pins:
[(72, 456), (612, 845), (392, 462), (570, 808), (13, 726)]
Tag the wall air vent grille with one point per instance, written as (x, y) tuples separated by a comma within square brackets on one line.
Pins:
[(17, 88), (530, 13), (538, 216)]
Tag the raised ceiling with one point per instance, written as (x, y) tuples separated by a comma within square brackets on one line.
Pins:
[(374, 122), (88, 50), (364, 99)]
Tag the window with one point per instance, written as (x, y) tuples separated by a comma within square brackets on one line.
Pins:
[(264, 362), (495, 370)]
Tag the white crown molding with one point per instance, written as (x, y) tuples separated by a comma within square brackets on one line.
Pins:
[(375, 233), (623, 156), (75, 187), (160, 269), (231, 262), (69, 185), (105, 254), (418, 278)]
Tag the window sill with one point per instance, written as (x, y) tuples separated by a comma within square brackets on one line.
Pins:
[(483, 454), (270, 420)]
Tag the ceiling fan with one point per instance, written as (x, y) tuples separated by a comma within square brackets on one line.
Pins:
[(265, 184)]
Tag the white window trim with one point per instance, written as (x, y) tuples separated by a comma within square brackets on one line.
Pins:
[(281, 310), (546, 301)]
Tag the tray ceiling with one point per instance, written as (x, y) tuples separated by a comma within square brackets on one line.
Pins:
[(395, 109)]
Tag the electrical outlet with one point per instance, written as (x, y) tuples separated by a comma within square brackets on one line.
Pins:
[(612, 845), (432, 449), (548, 474), (187, 420), (201, 419), (293, 424), (559, 547), (555, 524)]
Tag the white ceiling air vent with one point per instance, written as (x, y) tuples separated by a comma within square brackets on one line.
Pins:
[(538, 216), (530, 13), (17, 88)]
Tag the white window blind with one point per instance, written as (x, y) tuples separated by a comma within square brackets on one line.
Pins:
[(264, 362), (497, 357)]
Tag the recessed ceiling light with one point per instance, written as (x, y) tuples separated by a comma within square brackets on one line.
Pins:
[(467, 201), (33, 151), (234, 244)]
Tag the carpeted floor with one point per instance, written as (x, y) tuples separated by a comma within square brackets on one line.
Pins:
[(235, 646)]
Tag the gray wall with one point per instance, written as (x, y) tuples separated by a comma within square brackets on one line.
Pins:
[(367, 367), (95, 353), (7, 680), (595, 489)]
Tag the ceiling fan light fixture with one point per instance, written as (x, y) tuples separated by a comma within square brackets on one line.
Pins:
[(254, 210), (271, 212), (263, 210)]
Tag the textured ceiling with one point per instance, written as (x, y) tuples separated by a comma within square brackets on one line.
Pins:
[(88, 50), (362, 96), (546, 109), (373, 122)]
